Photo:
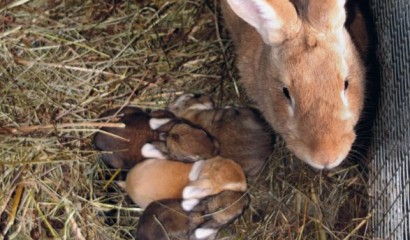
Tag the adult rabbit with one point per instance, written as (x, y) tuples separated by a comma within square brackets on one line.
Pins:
[(299, 64)]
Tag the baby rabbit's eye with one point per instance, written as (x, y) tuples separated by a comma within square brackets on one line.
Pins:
[(175, 137), (287, 94), (346, 84)]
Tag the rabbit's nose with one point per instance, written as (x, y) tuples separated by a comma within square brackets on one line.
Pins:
[(329, 160), (325, 158), (335, 162)]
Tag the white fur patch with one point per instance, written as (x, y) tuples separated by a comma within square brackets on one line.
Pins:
[(189, 204), (155, 123), (268, 16), (341, 43), (313, 164), (195, 170), (261, 16), (150, 151), (181, 99), (346, 113), (345, 101), (235, 186), (195, 192), (202, 233), (201, 106), (335, 163), (290, 111)]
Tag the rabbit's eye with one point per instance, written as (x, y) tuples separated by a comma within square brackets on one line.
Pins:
[(175, 137), (287, 94), (346, 84)]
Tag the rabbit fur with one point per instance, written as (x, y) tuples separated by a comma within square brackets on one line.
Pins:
[(242, 134), (177, 139), (299, 64), (156, 179), (165, 219)]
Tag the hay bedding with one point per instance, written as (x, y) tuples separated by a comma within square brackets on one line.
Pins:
[(65, 62)]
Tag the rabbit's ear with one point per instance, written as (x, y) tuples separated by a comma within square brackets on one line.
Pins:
[(189, 204), (197, 191), (156, 123), (196, 170), (326, 15), (276, 21), (205, 233), (150, 151), (182, 99)]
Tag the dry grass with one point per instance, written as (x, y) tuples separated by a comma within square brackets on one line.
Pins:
[(63, 62)]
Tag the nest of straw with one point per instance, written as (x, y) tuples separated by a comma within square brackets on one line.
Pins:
[(63, 62)]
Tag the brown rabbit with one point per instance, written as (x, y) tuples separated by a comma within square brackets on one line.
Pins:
[(125, 147), (181, 140), (298, 63), (222, 210), (156, 179), (122, 146), (242, 134), (165, 219)]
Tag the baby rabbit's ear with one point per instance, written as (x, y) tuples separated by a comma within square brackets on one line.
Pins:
[(205, 233), (276, 21), (326, 15), (151, 151), (189, 204), (156, 123), (198, 189), (196, 170)]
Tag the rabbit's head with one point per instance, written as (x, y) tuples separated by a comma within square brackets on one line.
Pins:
[(183, 140), (308, 80), (187, 142)]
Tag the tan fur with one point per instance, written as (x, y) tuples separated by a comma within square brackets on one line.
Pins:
[(218, 174), (312, 65), (156, 179)]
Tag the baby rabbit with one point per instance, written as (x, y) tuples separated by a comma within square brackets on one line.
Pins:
[(156, 179), (222, 210), (127, 146), (165, 219), (299, 64), (182, 140), (243, 136), (125, 143)]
